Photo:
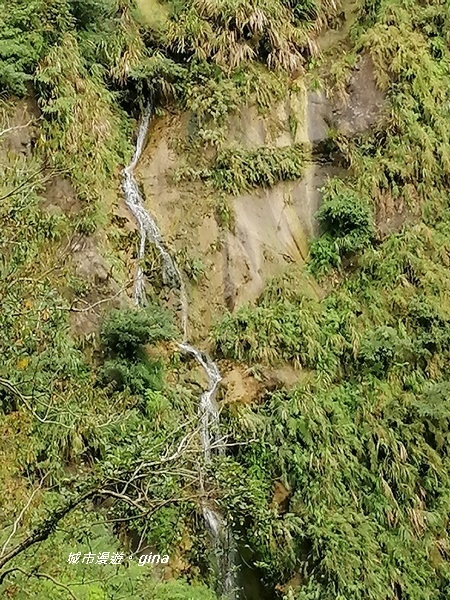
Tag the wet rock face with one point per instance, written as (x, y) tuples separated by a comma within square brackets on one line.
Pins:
[(365, 101), (60, 197), (267, 232), (319, 116), (268, 235), (91, 267), (21, 134), (88, 262)]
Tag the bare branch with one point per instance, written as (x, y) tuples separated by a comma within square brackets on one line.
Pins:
[(23, 184), (11, 388), (42, 531), (22, 512), (40, 575), (92, 306), (5, 131), (122, 497)]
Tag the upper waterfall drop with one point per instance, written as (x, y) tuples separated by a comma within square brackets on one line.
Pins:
[(149, 230)]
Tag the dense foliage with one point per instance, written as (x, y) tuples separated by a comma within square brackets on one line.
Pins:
[(100, 448), (236, 170), (360, 445)]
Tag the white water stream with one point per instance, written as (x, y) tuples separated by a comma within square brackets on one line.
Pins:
[(208, 409)]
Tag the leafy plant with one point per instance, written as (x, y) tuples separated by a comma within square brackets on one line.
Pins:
[(231, 33), (195, 269), (135, 377), (235, 170), (125, 331), (22, 43), (181, 590), (348, 225)]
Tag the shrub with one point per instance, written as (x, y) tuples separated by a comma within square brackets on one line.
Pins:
[(21, 45), (237, 170), (136, 377), (383, 348), (232, 33), (346, 216), (324, 253), (87, 12), (348, 226), (126, 330)]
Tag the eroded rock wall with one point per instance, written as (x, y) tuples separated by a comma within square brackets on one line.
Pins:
[(270, 227)]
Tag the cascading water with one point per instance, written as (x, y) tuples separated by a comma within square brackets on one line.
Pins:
[(208, 409), (149, 230)]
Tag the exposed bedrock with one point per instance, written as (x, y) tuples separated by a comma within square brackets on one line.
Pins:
[(270, 227)]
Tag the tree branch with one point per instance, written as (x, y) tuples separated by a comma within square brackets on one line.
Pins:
[(42, 531), (9, 129), (42, 576), (22, 512), (9, 386), (92, 306), (21, 185)]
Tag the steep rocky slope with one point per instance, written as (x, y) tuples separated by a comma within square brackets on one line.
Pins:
[(297, 165), (268, 228)]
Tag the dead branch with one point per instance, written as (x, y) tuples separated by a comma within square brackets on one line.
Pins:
[(124, 498), (92, 306), (22, 512), (9, 129), (25, 400), (23, 184), (42, 531), (40, 575)]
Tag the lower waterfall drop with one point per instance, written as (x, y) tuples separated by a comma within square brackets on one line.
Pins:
[(208, 410)]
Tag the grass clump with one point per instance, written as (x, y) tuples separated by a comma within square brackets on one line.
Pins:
[(230, 33), (135, 377), (236, 170)]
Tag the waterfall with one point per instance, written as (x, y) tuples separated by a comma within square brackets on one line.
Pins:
[(208, 409), (148, 230)]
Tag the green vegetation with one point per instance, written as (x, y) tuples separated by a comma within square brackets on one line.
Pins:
[(337, 487), (348, 227), (124, 335), (125, 331), (231, 33), (360, 443), (236, 170)]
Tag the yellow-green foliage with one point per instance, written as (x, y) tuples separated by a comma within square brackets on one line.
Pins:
[(204, 29), (361, 445), (409, 157), (231, 32), (81, 131), (63, 431), (236, 170)]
